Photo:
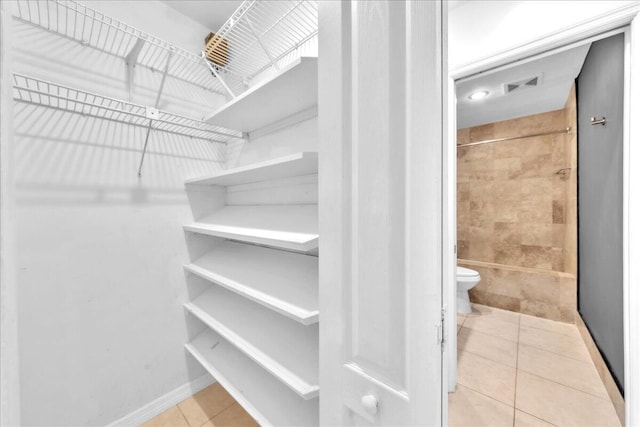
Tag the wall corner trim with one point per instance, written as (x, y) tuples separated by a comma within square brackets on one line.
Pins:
[(164, 402)]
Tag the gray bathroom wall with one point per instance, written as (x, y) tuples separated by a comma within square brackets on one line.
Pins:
[(600, 154)]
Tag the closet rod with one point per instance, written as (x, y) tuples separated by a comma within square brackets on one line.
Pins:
[(511, 138)]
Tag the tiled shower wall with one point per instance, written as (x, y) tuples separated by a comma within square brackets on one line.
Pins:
[(517, 215)]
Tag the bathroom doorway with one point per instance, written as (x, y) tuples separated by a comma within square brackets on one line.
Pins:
[(524, 354)]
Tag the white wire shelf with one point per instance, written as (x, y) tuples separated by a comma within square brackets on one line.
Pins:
[(52, 95), (89, 27), (260, 35)]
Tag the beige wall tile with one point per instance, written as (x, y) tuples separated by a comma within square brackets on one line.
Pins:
[(205, 404), (463, 136), (558, 211), (507, 253), (537, 256), (540, 234), (507, 150), (562, 405), (470, 408), (480, 133), (547, 311), (532, 211), (478, 310), (504, 282), (507, 190), (501, 301)]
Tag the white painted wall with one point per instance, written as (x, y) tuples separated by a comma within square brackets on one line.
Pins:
[(302, 136), (9, 357), (99, 251), (480, 29)]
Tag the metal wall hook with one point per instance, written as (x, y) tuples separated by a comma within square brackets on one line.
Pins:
[(601, 121)]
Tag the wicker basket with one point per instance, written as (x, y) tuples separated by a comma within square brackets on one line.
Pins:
[(216, 49)]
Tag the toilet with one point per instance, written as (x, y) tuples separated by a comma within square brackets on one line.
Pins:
[(466, 279)]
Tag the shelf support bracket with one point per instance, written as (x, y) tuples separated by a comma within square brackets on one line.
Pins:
[(266, 51), (144, 149), (164, 77), (131, 60), (152, 113), (217, 75)]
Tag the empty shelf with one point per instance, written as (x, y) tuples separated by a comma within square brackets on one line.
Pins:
[(283, 226), (264, 398), (282, 281), (292, 90), (298, 164), (288, 350)]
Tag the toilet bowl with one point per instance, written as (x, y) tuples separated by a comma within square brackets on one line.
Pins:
[(466, 279)]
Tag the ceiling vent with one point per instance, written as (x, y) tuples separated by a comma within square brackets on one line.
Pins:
[(529, 82)]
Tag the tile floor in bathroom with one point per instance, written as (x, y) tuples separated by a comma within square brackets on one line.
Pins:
[(513, 370), (211, 407), (519, 370)]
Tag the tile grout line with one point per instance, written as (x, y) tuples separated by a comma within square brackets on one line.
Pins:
[(221, 411), (547, 330), (573, 359), (183, 415), (556, 353), (538, 418), (486, 358), (564, 385), (483, 394), (491, 335)]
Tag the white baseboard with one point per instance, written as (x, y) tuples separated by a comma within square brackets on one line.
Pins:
[(163, 403)]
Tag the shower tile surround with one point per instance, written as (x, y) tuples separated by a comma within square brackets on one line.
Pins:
[(517, 217)]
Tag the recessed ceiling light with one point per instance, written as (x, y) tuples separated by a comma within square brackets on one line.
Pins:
[(478, 95)]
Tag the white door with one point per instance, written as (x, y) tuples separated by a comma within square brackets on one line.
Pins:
[(381, 191)]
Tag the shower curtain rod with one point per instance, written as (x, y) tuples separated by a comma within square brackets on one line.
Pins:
[(511, 138)]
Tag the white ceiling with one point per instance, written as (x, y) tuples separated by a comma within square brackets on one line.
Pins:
[(214, 13), (558, 74), (210, 13)]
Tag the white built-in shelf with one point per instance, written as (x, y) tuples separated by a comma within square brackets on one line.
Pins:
[(282, 226), (268, 401), (282, 281), (286, 349), (292, 90), (304, 163)]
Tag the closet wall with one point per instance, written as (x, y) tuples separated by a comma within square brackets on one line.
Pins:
[(99, 250)]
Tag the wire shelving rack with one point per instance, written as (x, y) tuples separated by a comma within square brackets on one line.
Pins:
[(35, 91), (260, 35), (75, 21)]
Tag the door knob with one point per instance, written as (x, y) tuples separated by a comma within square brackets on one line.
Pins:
[(370, 403), (601, 121)]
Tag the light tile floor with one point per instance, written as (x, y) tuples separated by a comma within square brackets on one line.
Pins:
[(519, 370), (513, 370), (211, 407)]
